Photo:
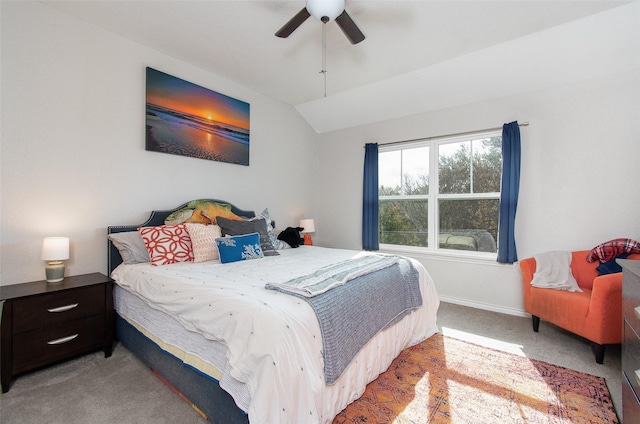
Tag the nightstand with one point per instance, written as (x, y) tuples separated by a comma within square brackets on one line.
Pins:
[(42, 323), (630, 340)]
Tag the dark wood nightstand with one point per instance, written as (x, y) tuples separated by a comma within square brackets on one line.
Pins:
[(630, 341), (43, 323)]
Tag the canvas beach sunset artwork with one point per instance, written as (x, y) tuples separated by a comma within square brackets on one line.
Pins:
[(189, 120)]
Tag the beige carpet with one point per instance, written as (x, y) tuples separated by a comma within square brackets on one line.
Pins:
[(120, 389)]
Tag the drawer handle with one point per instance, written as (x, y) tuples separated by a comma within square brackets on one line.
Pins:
[(63, 308), (637, 311), (62, 340)]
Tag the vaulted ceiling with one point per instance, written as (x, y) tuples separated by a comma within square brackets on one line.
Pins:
[(405, 41)]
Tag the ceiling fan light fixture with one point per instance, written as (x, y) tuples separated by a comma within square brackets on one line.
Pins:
[(324, 11), (320, 9)]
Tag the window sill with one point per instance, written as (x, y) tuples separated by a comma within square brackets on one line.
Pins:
[(478, 258)]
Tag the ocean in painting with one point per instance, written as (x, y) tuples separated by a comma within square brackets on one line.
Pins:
[(179, 133)]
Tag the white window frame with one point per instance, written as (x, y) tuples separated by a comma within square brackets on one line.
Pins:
[(433, 250)]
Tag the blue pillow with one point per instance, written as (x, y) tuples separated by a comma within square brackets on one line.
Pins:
[(239, 248), (611, 266)]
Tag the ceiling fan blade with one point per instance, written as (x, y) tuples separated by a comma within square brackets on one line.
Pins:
[(293, 23), (349, 28)]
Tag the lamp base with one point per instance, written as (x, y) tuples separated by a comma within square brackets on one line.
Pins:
[(307, 239), (54, 272)]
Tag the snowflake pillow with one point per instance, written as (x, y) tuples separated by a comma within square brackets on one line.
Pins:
[(167, 244), (239, 248)]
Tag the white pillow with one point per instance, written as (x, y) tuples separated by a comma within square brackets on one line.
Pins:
[(203, 241), (131, 247)]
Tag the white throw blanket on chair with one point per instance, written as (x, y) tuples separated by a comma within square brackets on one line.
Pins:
[(553, 271)]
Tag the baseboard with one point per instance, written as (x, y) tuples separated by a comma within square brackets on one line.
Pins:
[(485, 306)]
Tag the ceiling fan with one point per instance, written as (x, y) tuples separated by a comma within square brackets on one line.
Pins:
[(324, 11)]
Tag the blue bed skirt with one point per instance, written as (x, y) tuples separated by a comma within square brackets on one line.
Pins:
[(201, 390)]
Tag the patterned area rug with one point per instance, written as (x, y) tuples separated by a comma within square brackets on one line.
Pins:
[(444, 380)]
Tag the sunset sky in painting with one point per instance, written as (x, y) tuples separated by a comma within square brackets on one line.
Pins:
[(177, 94)]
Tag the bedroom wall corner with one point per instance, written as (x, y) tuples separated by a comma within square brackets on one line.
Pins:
[(72, 156), (574, 192)]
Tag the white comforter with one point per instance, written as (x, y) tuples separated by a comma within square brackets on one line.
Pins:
[(273, 339)]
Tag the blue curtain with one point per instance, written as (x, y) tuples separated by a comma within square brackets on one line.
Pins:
[(509, 192), (370, 239)]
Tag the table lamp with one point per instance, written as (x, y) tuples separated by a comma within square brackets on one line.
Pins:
[(55, 250), (309, 226)]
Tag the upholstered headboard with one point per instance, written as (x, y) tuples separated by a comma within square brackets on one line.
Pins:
[(158, 218)]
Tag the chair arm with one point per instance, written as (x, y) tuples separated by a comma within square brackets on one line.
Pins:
[(606, 285), (528, 267), (605, 310)]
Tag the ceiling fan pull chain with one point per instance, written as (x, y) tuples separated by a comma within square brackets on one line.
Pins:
[(324, 56)]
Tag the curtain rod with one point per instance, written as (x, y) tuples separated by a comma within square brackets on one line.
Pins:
[(524, 124)]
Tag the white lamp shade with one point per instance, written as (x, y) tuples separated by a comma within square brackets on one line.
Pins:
[(55, 249), (329, 8), (309, 226)]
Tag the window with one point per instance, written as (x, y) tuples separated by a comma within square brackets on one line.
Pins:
[(441, 194)]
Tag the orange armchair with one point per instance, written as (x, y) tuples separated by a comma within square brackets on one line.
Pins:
[(595, 313)]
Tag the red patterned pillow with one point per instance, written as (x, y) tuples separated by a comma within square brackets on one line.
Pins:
[(608, 250), (167, 244)]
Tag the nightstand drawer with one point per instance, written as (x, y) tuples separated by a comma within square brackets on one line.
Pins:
[(631, 306), (629, 402), (48, 309), (35, 348), (631, 357)]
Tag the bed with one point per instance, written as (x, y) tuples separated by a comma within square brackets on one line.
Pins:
[(237, 346)]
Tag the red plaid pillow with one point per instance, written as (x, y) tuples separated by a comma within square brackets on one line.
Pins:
[(606, 251), (167, 244)]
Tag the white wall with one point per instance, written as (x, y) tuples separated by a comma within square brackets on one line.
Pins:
[(73, 158), (73, 162), (580, 157)]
